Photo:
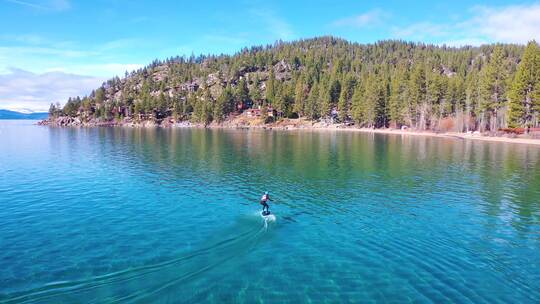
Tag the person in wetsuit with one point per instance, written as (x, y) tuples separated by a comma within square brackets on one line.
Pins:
[(264, 199)]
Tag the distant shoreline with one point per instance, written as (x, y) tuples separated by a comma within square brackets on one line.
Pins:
[(454, 135), (300, 125), (451, 135)]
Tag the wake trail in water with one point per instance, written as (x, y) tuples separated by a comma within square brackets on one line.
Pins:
[(140, 283)]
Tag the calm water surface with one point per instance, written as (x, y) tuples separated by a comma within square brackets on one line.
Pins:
[(119, 215)]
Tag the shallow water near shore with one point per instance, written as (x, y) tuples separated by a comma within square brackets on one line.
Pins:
[(135, 215)]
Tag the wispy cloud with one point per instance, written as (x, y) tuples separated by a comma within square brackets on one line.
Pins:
[(7, 51), (23, 89), (112, 69), (367, 19), (26, 3), (30, 39), (422, 30), (28, 52), (278, 27), (511, 24), (121, 44), (48, 5), (515, 23)]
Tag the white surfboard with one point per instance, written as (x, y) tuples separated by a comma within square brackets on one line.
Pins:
[(270, 217)]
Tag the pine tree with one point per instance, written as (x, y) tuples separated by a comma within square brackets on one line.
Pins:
[(137, 108), (357, 107), (255, 92), (450, 97), (203, 108), (382, 103), (373, 108), (536, 100), (436, 90), (312, 109), (270, 87), (242, 92), (219, 107), (283, 101), (456, 97), (228, 100), (161, 105), (52, 110), (299, 97), (417, 95), (334, 91), (345, 97), (279, 99), (71, 107), (100, 95), (325, 98), (520, 94), (471, 90), (492, 86), (397, 98)]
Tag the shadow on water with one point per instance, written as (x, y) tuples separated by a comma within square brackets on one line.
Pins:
[(141, 284)]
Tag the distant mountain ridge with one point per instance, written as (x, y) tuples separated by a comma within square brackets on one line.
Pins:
[(7, 114)]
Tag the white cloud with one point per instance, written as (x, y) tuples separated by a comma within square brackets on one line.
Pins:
[(48, 5), (39, 55), (26, 39), (370, 18), (23, 89), (35, 71), (276, 26), (514, 24), (509, 24), (421, 31), (112, 69), (121, 44), (29, 51)]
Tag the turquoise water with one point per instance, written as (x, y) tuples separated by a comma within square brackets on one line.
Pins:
[(119, 215)]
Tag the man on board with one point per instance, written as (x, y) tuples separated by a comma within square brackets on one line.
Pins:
[(265, 198)]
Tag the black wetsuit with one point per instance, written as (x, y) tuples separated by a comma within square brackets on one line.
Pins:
[(264, 204)]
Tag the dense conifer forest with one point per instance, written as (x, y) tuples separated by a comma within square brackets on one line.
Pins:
[(385, 84)]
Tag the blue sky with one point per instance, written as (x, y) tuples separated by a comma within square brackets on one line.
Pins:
[(52, 49)]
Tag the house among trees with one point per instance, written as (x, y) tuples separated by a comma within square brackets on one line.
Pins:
[(147, 116), (120, 111), (257, 112), (271, 112), (80, 111), (244, 105), (253, 113), (190, 87), (334, 114)]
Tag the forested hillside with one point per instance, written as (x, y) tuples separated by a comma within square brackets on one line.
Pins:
[(386, 84)]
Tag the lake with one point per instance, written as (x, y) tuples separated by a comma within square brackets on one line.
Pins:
[(133, 215)]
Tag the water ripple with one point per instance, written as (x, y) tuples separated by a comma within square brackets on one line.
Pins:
[(140, 215)]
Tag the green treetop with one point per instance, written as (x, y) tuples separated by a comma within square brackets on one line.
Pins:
[(520, 95)]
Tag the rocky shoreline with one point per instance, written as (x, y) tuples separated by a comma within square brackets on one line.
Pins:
[(68, 121), (291, 125)]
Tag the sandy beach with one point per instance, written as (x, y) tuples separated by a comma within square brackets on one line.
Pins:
[(465, 136), (302, 124)]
